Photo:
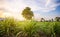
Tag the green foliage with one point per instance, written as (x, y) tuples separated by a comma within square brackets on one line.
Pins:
[(27, 13), (57, 28), (30, 28), (57, 19), (7, 26)]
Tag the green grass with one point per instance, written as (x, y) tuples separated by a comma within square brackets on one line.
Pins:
[(11, 26)]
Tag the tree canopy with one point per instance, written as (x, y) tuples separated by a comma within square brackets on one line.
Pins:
[(27, 13), (57, 19)]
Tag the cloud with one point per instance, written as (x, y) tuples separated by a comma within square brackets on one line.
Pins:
[(42, 5), (16, 6), (19, 5)]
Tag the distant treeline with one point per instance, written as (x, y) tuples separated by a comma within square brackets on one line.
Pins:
[(50, 20)]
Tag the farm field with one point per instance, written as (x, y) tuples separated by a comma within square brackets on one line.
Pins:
[(13, 28), (29, 18)]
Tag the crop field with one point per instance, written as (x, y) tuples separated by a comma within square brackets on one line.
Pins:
[(14, 28)]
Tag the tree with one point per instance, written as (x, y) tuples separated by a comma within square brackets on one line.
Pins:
[(42, 19), (52, 20), (27, 13), (57, 19)]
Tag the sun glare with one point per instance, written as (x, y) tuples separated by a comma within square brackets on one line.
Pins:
[(16, 16), (7, 15)]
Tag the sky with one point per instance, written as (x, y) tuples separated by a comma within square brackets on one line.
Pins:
[(47, 9)]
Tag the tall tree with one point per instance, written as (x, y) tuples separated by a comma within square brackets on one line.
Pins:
[(27, 13)]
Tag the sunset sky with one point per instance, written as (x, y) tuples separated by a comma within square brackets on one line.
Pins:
[(47, 9)]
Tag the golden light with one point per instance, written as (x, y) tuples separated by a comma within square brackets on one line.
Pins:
[(4, 14), (7, 15)]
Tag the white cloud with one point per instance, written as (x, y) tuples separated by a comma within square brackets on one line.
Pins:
[(42, 5), (19, 5), (16, 6)]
